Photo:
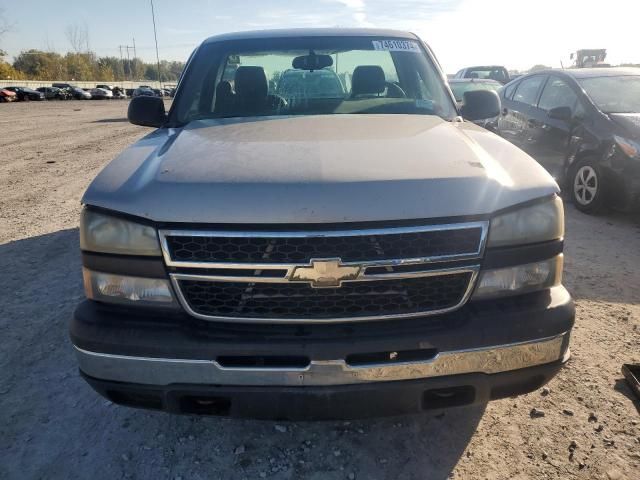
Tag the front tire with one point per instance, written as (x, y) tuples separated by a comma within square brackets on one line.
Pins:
[(587, 188)]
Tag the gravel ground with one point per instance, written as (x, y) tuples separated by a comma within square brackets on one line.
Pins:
[(53, 426)]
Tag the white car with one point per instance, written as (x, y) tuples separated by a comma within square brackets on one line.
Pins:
[(101, 94)]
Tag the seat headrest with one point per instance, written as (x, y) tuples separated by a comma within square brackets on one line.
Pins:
[(251, 82), (224, 88), (367, 80)]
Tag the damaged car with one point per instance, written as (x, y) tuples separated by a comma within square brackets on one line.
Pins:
[(583, 126)]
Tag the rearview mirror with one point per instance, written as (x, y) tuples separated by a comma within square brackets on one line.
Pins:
[(480, 105), (147, 111), (561, 113), (312, 62)]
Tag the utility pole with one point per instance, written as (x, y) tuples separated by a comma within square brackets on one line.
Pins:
[(122, 60), (135, 55), (155, 35), (127, 48), (128, 61)]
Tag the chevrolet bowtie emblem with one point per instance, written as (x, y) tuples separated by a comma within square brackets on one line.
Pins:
[(325, 273)]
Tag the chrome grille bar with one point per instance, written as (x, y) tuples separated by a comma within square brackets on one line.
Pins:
[(166, 233), (466, 262)]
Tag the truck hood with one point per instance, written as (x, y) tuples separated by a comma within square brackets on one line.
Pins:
[(318, 169)]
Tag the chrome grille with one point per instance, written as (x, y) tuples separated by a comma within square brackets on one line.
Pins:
[(299, 301), (350, 248), (324, 276)]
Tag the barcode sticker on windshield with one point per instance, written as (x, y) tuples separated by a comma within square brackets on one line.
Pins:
[(396, 45)]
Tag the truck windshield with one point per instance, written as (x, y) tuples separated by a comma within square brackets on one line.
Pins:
[(311, 76), (614, 94)]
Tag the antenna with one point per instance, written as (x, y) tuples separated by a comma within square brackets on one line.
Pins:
[(155, 36)]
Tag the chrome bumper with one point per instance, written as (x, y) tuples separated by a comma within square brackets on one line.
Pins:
[(166, 371)]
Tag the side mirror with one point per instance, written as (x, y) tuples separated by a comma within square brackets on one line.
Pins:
[(147, 111), (561, 113), (480, 104)]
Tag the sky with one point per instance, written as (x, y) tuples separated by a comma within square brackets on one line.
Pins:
[(514, 33)]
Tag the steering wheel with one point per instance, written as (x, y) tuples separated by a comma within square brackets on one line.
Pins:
[(394, 90)]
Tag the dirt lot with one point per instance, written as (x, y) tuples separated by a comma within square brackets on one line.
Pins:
[(52, 426)]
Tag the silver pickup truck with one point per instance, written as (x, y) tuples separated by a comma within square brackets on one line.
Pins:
[(319, 250)]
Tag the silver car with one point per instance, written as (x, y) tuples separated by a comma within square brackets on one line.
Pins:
[(101, 94)]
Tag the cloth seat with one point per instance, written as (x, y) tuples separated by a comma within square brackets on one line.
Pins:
[(367, 80)]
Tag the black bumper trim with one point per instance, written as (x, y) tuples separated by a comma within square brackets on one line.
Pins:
[(131, 332), (327, 403)]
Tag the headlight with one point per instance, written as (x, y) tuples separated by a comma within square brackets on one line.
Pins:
[(520, 279), (629, 147), (127, 290), (106, 234), (536, 223)]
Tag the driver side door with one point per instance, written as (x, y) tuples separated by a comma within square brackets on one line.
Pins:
[(551, 136)]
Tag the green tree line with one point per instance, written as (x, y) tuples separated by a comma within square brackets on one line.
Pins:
[(78, 66)]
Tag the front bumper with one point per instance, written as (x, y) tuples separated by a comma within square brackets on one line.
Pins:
[(328, 402), (483, 351), (622, 182), (168, 371)]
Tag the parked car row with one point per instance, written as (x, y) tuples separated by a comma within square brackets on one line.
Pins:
[(147, 91), (67, 91), (24, 94)]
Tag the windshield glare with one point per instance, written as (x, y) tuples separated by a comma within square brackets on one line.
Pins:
[(614, 94), (359, 75)]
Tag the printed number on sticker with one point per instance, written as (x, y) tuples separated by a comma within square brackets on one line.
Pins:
[(396, 45)]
